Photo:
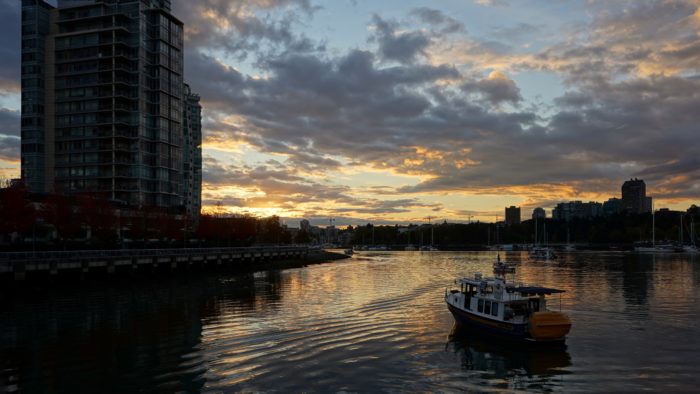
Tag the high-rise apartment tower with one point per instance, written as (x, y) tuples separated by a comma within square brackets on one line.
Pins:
[(103, 102), (634, 196)]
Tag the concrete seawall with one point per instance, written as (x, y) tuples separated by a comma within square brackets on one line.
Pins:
[(57, 265)]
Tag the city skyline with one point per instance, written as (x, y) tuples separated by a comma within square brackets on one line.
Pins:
[(396, 111)]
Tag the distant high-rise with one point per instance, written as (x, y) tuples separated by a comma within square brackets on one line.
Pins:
[(512, 215), (538, 213), (103, 102), (612, 206), (192, 157), (577, 209), (634, 199)]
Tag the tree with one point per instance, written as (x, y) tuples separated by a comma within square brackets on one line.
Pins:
[(17, 213), (302, 237)]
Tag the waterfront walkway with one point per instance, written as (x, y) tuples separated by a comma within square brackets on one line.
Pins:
[(20, 265)]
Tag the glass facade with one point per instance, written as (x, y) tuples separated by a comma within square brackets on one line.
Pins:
[(103, 87), (35, 28)]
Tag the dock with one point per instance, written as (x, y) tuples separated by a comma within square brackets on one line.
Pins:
[(19, 266)]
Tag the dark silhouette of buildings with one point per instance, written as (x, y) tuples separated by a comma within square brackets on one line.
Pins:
[(634, 198), (512, 215), (577, 209), (104, 106), (538, 213), (612, 206)]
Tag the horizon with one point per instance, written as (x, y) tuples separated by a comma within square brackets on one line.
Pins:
[(396, 111)]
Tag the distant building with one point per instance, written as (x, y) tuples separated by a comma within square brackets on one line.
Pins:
[(612, 206), (192, 153), (512, 215), (634, 196), (538, 213), (577, 209)]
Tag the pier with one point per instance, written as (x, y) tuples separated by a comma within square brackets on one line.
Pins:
[(19, 266)]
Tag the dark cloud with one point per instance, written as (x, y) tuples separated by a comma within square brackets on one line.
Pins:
[(403, 47), (496, 89), (10, 45), (9, 148), (244, 28), (9, 122)]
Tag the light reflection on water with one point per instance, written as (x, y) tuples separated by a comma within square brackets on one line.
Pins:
[(376, 322)]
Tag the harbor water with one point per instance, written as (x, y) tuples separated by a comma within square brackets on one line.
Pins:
[(375, 322)]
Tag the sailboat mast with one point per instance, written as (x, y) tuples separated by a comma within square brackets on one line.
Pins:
[(653, 227), (536, 239), (544, 230)]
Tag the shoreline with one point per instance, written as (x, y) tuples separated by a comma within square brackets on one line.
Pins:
[(76, 270)]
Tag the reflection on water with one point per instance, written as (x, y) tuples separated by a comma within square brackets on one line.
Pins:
[(376, 322), (504, 359)]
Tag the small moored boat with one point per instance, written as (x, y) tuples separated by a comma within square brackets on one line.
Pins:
[(496, 306), (542, 253)]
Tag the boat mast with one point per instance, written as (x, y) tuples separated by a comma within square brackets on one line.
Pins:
[(653, 226), (536, 239), (544, 230), (680, 231), (432, 231)]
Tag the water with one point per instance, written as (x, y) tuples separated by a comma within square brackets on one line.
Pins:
[(376, 322)]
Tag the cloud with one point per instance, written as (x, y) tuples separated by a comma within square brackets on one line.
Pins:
[(9, 45), (496, 89), (394, 45), (9, 148), (244, 29), (9, 122), (437, 19)]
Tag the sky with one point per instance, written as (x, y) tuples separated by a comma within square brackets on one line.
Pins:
[(396, 111)]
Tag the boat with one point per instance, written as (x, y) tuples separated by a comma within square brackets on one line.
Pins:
[(542, 253), (657, 248), (349, 252), (569, 247), (653, 247), (428, 248), (498, 307), (502, 268), (410, 248), (692, 247)]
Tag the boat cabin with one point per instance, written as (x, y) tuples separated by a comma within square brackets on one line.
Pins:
[(494, 298)]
